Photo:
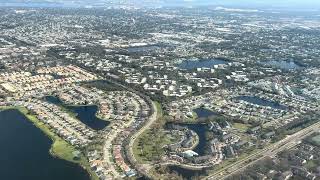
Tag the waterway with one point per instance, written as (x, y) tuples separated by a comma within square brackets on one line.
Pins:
[(186, 173), (201, 130), (204, 113), (207, 63), (25, 152), (285, 65), (262, 102), (86, 114)]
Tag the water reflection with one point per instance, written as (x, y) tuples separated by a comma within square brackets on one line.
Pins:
[(25, 152), (86, 114)]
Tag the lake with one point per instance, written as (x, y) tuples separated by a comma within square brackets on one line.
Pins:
[(86, 114), (285, 65), (53, 100), (186, 173), (202, 63), (201, 130), (262, 102), (25, 152), (204, 113)]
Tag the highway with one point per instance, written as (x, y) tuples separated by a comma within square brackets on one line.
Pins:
[(269, 151)]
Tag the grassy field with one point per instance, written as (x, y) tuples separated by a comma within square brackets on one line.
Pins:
[(311, 164), (193, 119), (3, 108), (159, 110), (149, 146), (59, 148), (240, 126)]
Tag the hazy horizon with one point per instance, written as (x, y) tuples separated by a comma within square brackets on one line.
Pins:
[(314, 4)]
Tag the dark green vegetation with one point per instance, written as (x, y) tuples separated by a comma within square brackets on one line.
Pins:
[(304, 121), (305, 157), (103, 85), (314, 139)]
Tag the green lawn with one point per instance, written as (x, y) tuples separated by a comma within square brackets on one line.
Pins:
[(159, 109), (63, 150), (242, 127), (311, 164), (148, 146), (193, 119)]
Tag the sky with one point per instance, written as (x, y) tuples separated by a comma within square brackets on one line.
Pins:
[(315, 4), (271, 3)]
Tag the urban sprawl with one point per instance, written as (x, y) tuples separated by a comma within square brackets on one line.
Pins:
[(222, 93)]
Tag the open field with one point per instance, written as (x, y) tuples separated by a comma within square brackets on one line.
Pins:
[(149, 144), (240, 126)]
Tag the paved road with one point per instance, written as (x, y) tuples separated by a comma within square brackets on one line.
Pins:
[(111, 166), (108, 155), (272, 150), (151, 120)]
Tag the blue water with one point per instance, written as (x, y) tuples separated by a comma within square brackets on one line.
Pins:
[(86, 114), (203, 63), (204, 113), (186, 173), (25, 153), (201, 130), (262, 102), (53, 100)]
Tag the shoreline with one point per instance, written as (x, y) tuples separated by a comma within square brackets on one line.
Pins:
[(59, 147), (65, 106)]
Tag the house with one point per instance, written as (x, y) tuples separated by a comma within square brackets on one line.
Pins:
[(285, 175), (226, 138), (254, 130), (189, 154), (304, 155), (241, 144), (229, 151), (201, 159), (268, 135)]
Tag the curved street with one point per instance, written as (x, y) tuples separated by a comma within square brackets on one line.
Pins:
[(148, 124)]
